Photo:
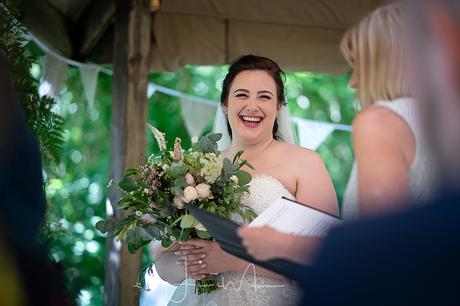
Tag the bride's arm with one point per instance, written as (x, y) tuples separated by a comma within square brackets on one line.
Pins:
[(166, 265), (314, 186)]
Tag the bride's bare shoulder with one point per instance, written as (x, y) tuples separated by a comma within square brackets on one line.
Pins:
[(297, 154)]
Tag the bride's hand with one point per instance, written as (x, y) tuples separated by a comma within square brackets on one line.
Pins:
[(201, 257), (263, 243)]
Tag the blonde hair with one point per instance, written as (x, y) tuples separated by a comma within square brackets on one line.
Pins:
[(374, 48)]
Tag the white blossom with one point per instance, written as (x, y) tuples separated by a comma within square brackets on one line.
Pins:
[(204, 191), (177, 202), (189, 179), (190, 194), (200, 227), (212, 167)]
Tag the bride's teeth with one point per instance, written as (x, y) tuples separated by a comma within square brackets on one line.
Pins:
[(251, 119)]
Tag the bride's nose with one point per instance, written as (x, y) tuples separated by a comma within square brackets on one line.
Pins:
[(252, 107)]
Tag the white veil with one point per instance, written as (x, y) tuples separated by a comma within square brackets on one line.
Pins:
[(285, 131)]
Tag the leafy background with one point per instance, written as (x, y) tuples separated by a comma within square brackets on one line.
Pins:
[(76, 187)]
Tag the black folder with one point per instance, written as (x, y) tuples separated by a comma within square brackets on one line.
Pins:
[(224, 233)]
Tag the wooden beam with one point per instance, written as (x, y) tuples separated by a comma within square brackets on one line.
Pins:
[(128, 132), (92, 25), (54, 32)]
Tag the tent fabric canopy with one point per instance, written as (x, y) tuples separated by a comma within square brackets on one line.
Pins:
[(301, 35), (298, 34)]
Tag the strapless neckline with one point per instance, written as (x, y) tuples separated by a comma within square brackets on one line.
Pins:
[(272, 179)]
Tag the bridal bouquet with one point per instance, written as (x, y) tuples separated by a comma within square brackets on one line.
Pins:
[(154, 194)]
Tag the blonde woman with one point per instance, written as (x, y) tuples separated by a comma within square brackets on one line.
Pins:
[(393, 165)]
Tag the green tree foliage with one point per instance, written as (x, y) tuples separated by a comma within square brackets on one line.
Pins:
[(43, 122)]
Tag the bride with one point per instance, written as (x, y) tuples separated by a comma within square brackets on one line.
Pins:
[(256, 121)]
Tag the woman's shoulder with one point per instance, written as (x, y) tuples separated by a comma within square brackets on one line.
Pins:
[(296, 154), (375, 120)]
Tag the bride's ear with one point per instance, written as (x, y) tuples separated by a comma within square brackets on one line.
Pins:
[(278, 108)]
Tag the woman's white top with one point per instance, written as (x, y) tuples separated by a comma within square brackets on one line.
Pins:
[(422, 177)]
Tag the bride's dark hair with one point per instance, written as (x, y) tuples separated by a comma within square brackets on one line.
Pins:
[(253, 62)]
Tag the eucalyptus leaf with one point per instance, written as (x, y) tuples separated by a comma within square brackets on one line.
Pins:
[(206, 145), (154, 231), (177, 191), (188, 221), (227, 166), (128, 184), (142, 184), (178, 169), (244, 177), (203, 234), (215, 137), (133, 247), (180, 182), (185, 234), (166, 242), (249, 215), (101, 226), (131, 171)]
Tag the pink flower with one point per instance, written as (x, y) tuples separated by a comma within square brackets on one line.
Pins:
[(148, 218)]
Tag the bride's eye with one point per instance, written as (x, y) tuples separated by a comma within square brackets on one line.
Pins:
[(265, 97), (241, 95)]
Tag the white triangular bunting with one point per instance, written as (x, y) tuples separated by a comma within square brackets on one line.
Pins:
[(312, 134), (54, 76), (196, 116), (89, 75)]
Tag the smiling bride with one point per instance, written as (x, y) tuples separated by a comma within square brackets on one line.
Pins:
[(255, 117)]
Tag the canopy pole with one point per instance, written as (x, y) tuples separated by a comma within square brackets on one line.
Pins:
[(128, 135)]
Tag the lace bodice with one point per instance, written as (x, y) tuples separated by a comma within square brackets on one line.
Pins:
[(238, 288)]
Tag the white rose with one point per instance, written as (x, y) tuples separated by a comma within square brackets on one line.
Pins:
[(165, 167), (189, 179), (204, 191), (200, 227), (194, 139), (234, 179), (178, 202), (190, 194)]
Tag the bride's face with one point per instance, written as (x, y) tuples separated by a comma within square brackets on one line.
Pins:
[(252, 106)]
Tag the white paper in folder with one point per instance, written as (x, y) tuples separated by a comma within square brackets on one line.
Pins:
[(295, 218)]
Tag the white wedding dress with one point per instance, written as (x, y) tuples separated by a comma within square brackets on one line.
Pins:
[(238, 288)]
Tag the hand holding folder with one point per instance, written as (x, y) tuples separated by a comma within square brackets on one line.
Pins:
[(224, 232), (284, 215)]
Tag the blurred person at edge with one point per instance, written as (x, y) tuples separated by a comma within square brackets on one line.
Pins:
[(394, 164), (26, 276), (409, 257)]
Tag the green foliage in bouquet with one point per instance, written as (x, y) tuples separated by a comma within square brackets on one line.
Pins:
[(154, 194)]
